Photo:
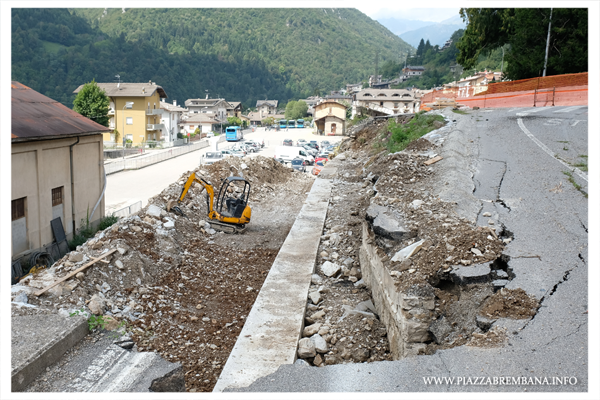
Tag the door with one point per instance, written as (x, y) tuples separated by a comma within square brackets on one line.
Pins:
[(333, 129)]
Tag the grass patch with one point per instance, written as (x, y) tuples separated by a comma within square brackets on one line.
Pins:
[(562, 141), (87, 231), (399, 136), (581, 166), (565, 148), (51, 47), (459, 112), (575, 184), (583, 156)]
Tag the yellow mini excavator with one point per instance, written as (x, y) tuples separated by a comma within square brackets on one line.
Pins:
[(231, 212)]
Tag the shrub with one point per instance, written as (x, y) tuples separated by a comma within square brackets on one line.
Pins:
[(107, 221)]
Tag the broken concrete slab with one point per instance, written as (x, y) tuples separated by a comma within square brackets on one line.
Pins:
[(329, 269), (153, 211), (464, 275), (408, 251), (440, 329), (38, 342), (388, 223)]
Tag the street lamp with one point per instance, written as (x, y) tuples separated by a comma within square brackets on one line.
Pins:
[(128, 105)]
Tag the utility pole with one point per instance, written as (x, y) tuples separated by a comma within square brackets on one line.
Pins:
[(547, 43)]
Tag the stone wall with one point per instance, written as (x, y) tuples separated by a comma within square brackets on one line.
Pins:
[(405, 314)]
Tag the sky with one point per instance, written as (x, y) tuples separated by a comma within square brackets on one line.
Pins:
[(396, 10)]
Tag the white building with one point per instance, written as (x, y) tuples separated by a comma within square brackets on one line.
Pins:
[(170, 118)]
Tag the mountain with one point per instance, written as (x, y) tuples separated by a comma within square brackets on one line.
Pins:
[(239, 54), (398, 26), (436, 33)]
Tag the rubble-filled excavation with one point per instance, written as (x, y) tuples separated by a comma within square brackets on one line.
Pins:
[(398, 271)]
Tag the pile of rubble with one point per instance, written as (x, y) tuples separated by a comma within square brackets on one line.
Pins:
[(425, 245), (178, 286)]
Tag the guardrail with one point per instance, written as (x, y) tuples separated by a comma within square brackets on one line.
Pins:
[(149, 159), (126, 211)]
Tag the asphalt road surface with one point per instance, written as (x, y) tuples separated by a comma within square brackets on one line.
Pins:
[(520, 159)]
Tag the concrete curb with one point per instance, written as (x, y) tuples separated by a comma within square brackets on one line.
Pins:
[(46, 338), (270, 335)]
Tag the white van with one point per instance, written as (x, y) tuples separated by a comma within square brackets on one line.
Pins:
[(288, 153)]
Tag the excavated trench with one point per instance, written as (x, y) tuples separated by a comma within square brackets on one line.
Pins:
[(449, 291)]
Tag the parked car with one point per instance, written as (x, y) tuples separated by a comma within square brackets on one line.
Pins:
[(232, 153), (321, 158), (211, 157), (260, 141), (325, 143), (288, 142), (301, 142), (314, 145), (252, 143), (239, 148), (299, 164), (210, 134), (310, 150), (318, 167)]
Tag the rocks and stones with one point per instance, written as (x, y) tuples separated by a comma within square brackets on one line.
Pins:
[(105, 287), (21, 297), (440, 329), (110, 323), (315, 317), (487, 214), (331, 359), (119, 264), (341, 157), (96, 305), (124, 342), (311, 330), (387, 223), (75, 257), (499, 284), (346, 354), (416, 204), (348, 262), (153, 211), (319, 343), (360, 284), (169, 224), (366, 306), (361, 355), (484, 323), (122, 250), (476, 251), (501, 274), (408, 251), (318, 360), (306, 348), (478, 273), (315, 297), (330, 269), (315, 279), (416, 331), (136, 228), (302, 362), (174, 381)]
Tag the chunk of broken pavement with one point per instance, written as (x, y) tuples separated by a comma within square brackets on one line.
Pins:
[(329, 269), (306, 348), (153, 211), (387, 222)]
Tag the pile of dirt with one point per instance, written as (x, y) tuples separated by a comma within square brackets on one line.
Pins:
[(420, 145), (510, 303), (181, 288)]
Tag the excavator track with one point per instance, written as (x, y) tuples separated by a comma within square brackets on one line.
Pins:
[(227, 228)]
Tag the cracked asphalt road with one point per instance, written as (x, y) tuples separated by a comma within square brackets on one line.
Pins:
[(521, 182)]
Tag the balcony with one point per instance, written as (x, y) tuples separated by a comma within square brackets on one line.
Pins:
[(111, 112), (154, 127), (153, 111)]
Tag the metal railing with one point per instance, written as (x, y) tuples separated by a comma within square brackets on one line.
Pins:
[(127, 211)]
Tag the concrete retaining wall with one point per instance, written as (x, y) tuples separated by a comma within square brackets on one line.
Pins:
[(406, 315), (270, 335)]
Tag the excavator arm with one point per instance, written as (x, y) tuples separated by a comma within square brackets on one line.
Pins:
[(210, 194)]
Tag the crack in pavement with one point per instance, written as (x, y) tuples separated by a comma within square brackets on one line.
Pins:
[(567, 335)]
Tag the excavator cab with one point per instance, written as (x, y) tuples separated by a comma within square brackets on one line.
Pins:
[(233, 197), (230, 213)]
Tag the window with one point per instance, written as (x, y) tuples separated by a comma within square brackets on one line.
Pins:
[(57, 196), (18, 208), (129, 120)]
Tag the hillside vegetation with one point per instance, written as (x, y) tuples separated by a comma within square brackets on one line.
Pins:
[(240, 54)]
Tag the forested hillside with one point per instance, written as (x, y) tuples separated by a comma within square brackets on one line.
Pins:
[(240, 54)]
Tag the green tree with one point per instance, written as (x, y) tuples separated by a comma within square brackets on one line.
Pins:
[(299, 110), (234, 121), (289, 109), (92, 102), (525, 31)]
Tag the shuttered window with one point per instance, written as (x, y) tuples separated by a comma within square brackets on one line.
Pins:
[(18, 208), (57, 196)]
